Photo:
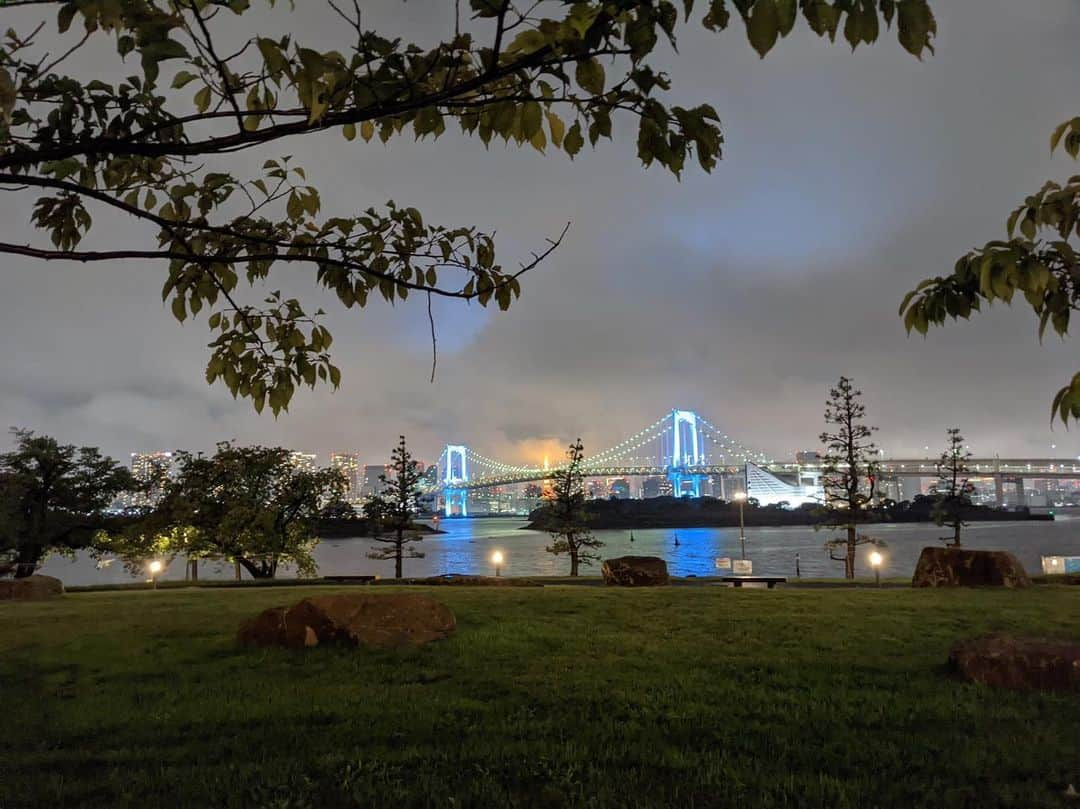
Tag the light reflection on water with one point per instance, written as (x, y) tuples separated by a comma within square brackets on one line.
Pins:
[(467, 545)]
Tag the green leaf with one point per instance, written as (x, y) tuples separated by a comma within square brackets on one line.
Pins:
[(916, 24), (539, 140), (531, 120), (1055, 138), (574, 140), (557, 127), (1010, 227), (582, 16), (182, 78), (8, 95), (717, 17), (853, 29), (907, 300), (590, 75), (179, 310), (528, 41), (67, 14), (202, 99), (763, 27), (787, 11)]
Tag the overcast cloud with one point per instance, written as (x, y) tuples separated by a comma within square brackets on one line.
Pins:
[(742, 294)]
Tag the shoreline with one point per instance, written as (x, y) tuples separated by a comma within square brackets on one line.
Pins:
[(708, 522), (809, 583)]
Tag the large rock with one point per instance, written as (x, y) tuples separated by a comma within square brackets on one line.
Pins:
[(275, 627), (960, 567), (31, 588), (1019, 663), (635, 571), (400, 619)]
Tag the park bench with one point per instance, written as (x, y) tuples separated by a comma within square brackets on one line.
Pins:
[(739, 581)]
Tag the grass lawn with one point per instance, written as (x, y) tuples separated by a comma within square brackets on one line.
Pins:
[(554, 696)]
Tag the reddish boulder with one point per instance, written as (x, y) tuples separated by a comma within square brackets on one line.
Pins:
[(960, 567), (1019, 663), (635, 571), (31, 588), (277, 627), (400, 619)]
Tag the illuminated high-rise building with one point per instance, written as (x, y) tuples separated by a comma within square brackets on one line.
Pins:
[(304, 461), (152, 469), (348, 463)]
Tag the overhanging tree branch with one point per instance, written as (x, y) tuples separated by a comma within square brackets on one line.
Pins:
[(547, 74)]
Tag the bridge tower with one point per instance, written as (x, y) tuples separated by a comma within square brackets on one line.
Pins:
[(455, 473), (687, 450)]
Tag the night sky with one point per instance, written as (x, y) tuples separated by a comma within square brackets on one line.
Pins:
[(846, 179)]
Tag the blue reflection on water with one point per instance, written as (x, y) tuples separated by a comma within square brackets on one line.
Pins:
[(467, 545)]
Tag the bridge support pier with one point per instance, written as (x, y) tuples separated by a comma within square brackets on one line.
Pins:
[(1001, 481), (889, 488), (685, 485), (456, 497)]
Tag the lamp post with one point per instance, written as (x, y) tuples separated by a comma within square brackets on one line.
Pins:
[(497, 560), (155, 568), (740, 498), (875, 562)]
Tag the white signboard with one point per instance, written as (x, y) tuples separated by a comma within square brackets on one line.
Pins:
[(1060, 564), (742, 567), (723, 563)]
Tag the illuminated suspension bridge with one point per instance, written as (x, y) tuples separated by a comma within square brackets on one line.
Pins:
[(682, 446), (687, 449)]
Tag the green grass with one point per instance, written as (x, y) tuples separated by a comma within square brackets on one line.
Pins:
[(554, 696)]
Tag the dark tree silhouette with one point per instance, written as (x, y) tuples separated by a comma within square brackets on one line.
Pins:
[(848, 473), (393, 510), (564, 513), (952, 492), (53, 497)]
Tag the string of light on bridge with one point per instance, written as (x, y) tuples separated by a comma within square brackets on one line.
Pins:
[(482, 460), (716, 444), (606, 460), (625, 446), (746, 452)]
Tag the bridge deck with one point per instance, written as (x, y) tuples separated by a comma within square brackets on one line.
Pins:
[(1042, 468)]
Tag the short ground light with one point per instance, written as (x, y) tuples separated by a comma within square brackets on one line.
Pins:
[(497, 560), (155, 568), (875, 562)]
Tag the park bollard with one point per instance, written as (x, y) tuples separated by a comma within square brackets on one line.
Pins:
[(798, 573)]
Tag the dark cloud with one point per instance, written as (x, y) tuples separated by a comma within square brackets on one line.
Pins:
[(743, 294)]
